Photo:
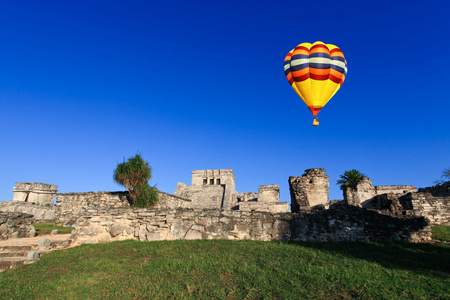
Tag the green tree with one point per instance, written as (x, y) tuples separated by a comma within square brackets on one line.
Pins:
[(350, 179), (134, 175)]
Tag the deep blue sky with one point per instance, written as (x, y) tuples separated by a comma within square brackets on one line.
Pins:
[(200, 85)]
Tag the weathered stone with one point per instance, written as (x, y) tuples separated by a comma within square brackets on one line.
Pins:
[(193, 235), (44, 244), (117, 229), (33, 255), (32, 192), (54, 232), (309, 190)]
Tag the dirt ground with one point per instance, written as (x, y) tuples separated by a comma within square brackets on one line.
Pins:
[(34, 240)]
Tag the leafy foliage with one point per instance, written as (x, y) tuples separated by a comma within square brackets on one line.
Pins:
[(134, 175), (350, 179)]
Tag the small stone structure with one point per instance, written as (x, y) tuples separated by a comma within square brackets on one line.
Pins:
[(309, 190), (33, 192), (210, 189), (265, 200), (366, 194), (216, 189)]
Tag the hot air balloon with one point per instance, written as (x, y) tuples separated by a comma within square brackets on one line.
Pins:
[(316, 72)]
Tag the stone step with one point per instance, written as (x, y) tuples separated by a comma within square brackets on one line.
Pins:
[(13, 254), (11, 262), (16, 248)]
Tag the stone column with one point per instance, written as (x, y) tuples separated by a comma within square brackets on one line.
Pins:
[(309, 190)]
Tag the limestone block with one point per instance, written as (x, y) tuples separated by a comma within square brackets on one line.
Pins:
[(103, 237), (154, 236), (44, 244), (269, 193), (117, 229), (193, 235), (142, 233), (33, 255), (54, 232)]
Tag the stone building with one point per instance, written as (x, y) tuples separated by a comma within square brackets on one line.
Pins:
[(216, 189), (210, 189), (33, 192)]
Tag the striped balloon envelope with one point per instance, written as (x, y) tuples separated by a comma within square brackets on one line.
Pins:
[(316, 72)]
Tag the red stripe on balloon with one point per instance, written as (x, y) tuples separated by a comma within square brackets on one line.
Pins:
[(334, 79), (319, 77), (301, 78)]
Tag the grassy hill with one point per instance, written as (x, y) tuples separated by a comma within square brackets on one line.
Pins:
[(220, 269)]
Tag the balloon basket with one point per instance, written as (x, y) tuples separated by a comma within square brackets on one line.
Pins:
[(316, 122)]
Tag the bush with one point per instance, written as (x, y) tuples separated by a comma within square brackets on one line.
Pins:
[(134, 175), (350, 179)]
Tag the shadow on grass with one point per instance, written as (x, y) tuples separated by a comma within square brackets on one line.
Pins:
[(419, 258)]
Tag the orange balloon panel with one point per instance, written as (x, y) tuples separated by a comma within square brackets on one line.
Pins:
[(316, 72)]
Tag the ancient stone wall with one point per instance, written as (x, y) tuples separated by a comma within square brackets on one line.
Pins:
[(395, 189), (33, 192), (278, 207), (340, 223), (309, 190), (208, 196), (46, 214), (71, 205), (16, 225), (432, 203)]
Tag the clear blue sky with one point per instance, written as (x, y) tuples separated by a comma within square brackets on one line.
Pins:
[(200, 85)]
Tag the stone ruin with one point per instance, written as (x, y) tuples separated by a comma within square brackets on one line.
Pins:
[(32, 192), (212, 208), (215, 189), (309, 190)]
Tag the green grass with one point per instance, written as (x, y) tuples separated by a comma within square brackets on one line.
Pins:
[(46, 228), (220, 269), (441, 233)]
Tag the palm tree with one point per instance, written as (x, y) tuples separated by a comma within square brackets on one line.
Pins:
[(350, 179)]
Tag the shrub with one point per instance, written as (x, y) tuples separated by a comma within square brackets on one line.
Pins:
[(134, 175), (350, 179)]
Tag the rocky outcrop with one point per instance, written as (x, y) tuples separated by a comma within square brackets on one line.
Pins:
[(309, 190), (16, 225)]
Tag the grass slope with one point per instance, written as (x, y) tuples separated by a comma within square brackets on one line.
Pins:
[(441, 233), (220, 269), (46, 228)]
